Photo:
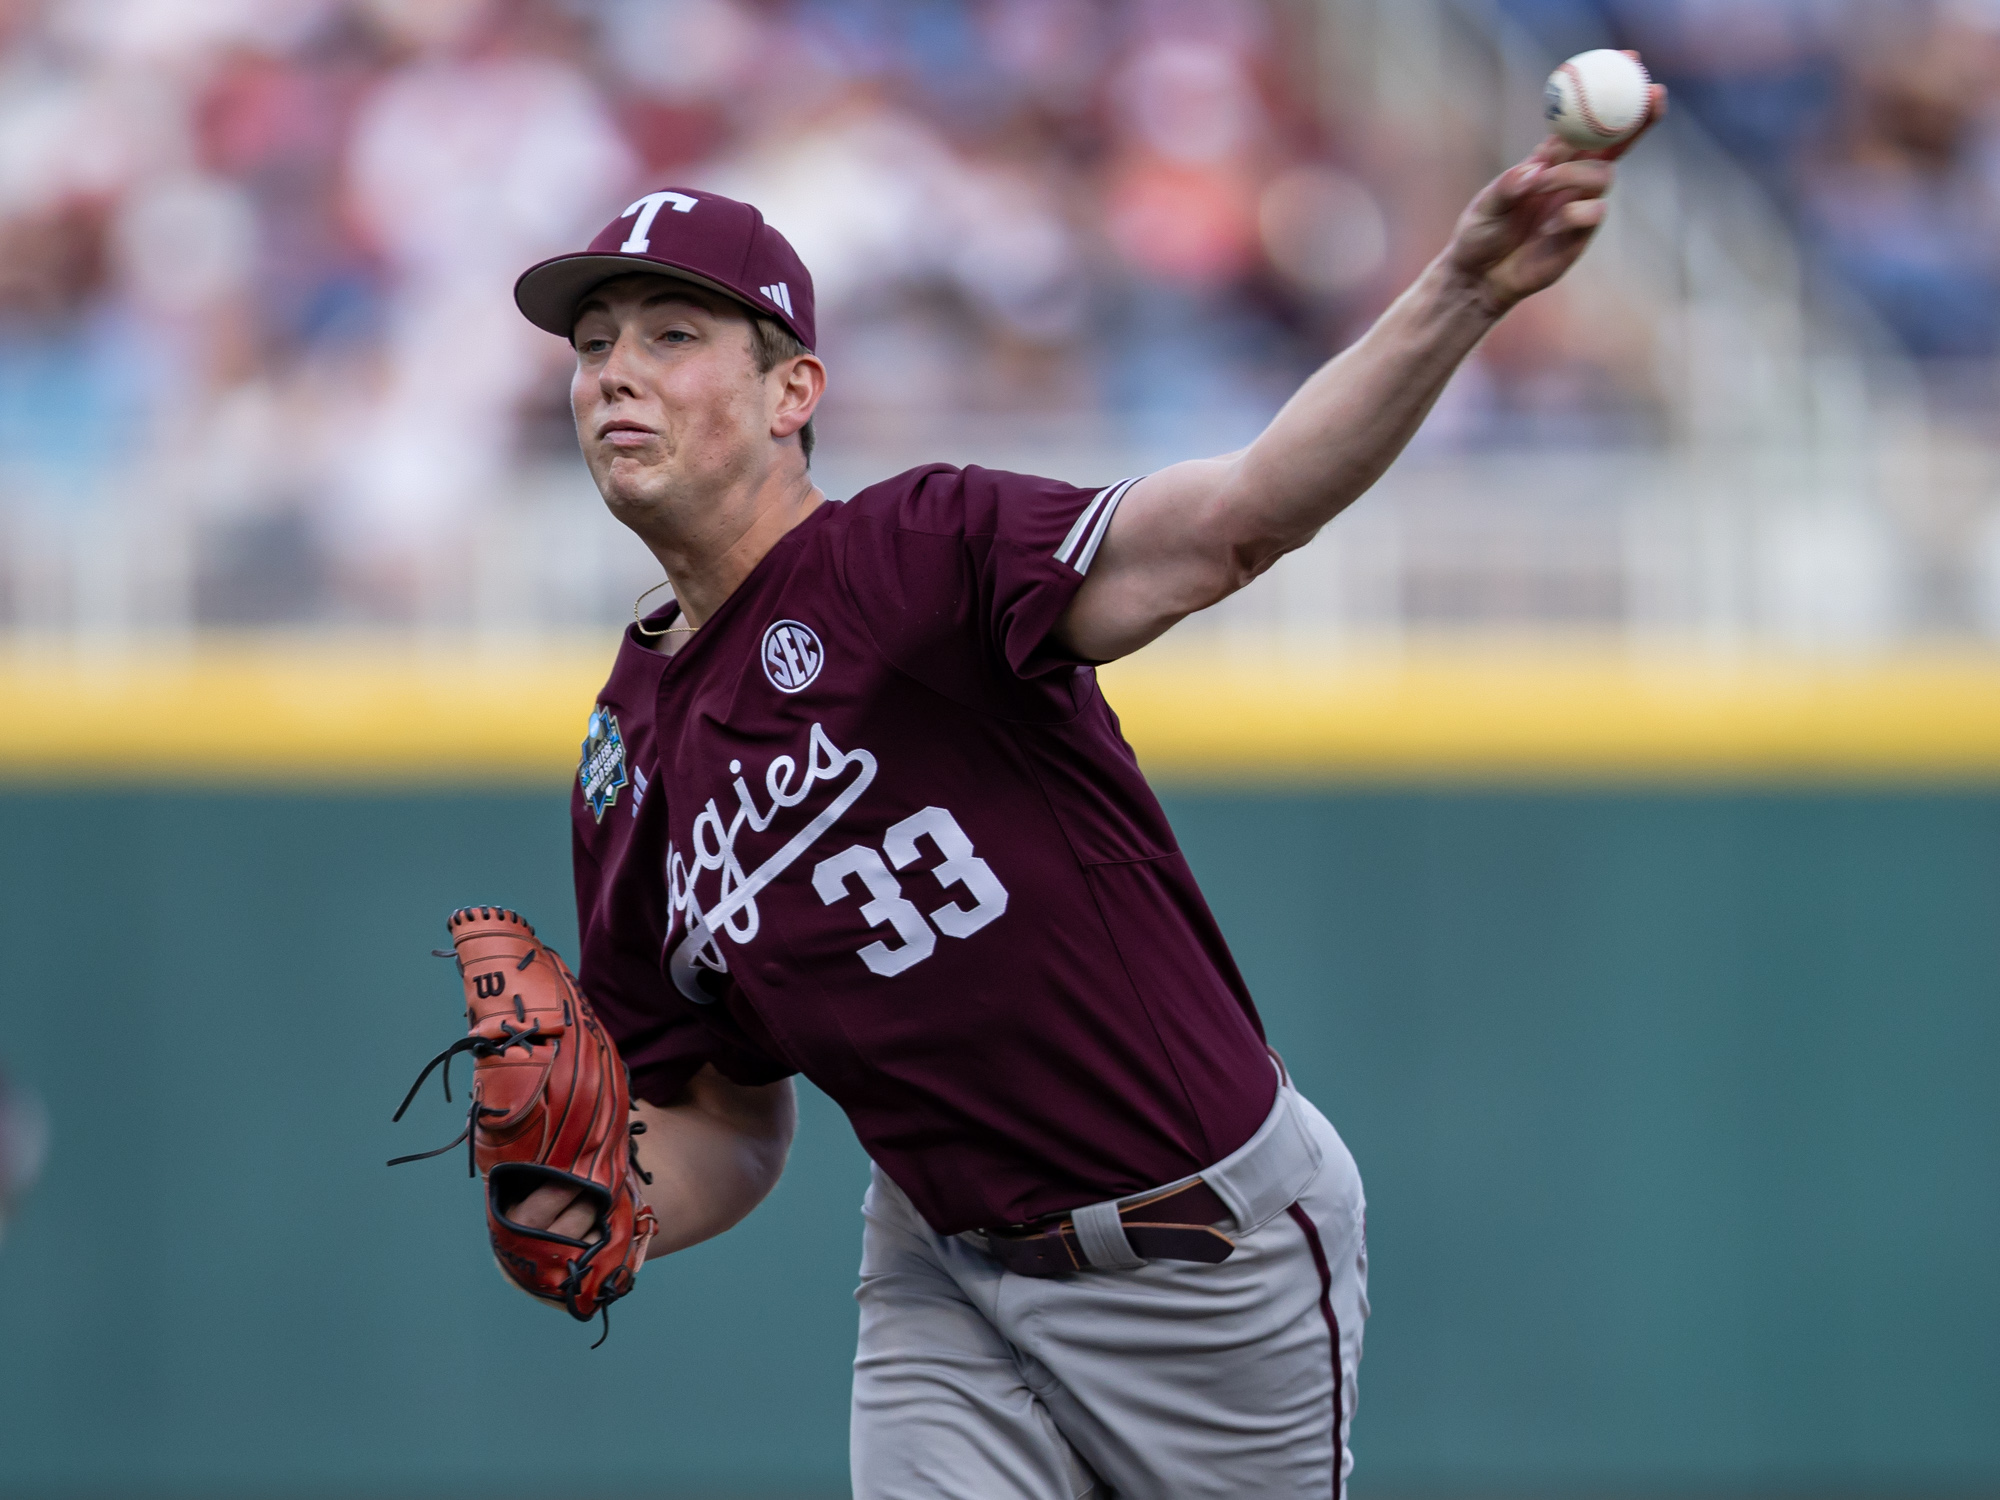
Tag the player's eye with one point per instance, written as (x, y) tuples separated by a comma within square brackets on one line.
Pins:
[(677, 336)]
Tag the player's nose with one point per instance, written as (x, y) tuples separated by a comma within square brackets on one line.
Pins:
[(617, 377)]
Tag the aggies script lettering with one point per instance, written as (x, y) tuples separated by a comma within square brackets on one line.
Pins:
[(732, 912)]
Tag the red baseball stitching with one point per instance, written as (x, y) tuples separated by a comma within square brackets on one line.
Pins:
[(1583, 101)]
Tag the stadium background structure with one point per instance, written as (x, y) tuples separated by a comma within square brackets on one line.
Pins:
[(1604, 811), (1674, 1088)]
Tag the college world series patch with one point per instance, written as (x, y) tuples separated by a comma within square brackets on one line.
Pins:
[(602, 769)]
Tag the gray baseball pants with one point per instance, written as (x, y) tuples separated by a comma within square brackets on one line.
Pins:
[(1169, 1379)]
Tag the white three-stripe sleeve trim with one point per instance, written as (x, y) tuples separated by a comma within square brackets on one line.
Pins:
[(1083, 558), (1103, 503), (1083, 520)]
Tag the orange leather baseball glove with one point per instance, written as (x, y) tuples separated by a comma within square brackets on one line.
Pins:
[(550, 1103)]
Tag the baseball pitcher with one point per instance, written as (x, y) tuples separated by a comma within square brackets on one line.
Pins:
[(852, 806)]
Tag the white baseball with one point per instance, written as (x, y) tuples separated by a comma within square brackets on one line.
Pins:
[(1598, 99)]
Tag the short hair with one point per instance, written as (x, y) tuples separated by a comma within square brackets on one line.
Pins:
[(770, 342)]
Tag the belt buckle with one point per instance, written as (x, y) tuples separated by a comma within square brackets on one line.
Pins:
[(1057, 1255)]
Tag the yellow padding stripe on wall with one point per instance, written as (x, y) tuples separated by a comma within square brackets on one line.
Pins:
[(330, 712), (289, 711), (1560, 713)]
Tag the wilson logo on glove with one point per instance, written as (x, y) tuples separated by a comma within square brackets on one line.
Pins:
[(550, 1105)]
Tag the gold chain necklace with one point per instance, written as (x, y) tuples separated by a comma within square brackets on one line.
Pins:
[(641, 624)]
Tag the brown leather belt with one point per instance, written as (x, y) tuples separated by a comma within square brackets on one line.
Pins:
[(1176, 1224)]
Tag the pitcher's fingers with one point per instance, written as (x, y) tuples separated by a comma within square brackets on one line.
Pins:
[(577, 1222), (1548, 169), (1581, 179), (1576, 216), (1500, 196), (541, 1208)]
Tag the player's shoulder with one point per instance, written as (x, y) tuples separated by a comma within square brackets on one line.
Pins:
[(945, 500)]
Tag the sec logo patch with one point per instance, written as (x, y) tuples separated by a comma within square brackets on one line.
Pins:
[(792, 656)]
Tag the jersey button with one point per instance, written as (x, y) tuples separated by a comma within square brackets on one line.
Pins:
[(774, 974)]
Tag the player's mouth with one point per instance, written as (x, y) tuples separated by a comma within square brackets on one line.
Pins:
[(624, 434)]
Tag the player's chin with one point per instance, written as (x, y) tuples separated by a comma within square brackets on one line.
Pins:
[(634, 451), (628, 478)]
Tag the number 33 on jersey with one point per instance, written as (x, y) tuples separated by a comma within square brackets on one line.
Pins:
[(960, 866), (697, 929)]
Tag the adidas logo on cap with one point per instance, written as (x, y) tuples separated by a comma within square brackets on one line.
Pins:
[(779, 293)]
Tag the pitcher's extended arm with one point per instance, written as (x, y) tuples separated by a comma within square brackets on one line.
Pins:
[(1194, 533)]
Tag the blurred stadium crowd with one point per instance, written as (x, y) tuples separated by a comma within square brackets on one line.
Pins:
[(255, 254), (267, 245), (1874, 125)]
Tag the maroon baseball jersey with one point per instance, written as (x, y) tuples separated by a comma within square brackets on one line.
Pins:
[(873, 825)]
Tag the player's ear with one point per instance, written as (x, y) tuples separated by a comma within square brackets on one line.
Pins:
[(801, 382)]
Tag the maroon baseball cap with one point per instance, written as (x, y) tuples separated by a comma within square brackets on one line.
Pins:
[(705, 238)]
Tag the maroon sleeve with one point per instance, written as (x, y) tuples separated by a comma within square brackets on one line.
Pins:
[(964, 574), (662, 1038)]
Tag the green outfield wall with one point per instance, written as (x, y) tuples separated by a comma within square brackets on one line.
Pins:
[(1679, 1114)]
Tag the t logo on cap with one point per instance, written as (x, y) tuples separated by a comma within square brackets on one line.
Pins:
[(727, 247), (648, 208)]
